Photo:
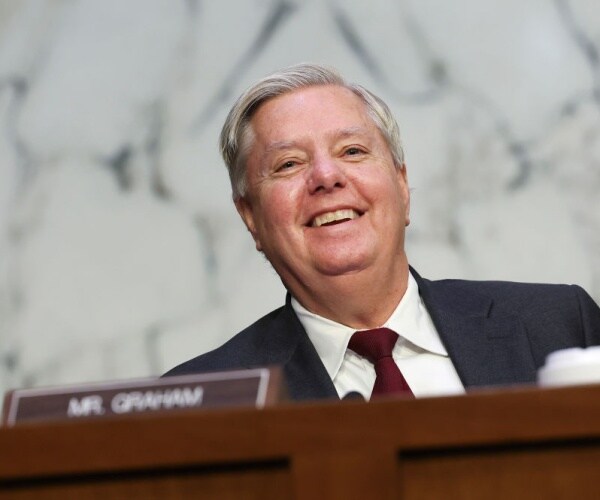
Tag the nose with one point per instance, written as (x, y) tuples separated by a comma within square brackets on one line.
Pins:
[(325, 175)]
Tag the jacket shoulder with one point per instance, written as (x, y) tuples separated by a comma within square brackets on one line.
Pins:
[(548, 310), (259, 344), (509, 295)]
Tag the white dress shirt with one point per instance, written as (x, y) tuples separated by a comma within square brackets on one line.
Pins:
[(419, 352)]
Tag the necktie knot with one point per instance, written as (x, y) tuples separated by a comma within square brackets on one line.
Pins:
[(374, 344)]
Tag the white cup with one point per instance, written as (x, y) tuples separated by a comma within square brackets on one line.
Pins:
[(571, 367)]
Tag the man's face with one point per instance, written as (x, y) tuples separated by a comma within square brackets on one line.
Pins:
[(324, 197)]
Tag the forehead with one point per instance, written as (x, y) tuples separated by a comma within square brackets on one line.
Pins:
[(323, 108)]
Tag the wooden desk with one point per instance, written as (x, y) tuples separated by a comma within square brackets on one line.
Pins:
[(520, 443)]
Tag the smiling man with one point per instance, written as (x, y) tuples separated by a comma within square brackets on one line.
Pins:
[(318, 177)]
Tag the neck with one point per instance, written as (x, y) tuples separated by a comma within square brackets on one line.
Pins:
[(353, 300)]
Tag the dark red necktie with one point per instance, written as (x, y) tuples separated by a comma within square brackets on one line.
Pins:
[(376, 345)]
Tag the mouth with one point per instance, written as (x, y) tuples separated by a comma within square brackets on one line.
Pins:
[(335, 217)]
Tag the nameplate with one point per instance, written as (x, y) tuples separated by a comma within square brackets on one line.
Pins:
[(256, 387)]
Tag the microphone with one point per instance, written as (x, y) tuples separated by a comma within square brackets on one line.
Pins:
[(353, 396)]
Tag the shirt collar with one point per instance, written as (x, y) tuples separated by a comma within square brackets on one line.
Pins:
[(410, 320), (329, 337)]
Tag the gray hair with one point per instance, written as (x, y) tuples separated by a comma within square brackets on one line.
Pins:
[(236, 135)]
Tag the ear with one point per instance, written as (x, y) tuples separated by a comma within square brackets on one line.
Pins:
[(244, 208), (405, 190)]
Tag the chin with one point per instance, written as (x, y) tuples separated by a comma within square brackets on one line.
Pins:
[(343, 259), (341, 267)]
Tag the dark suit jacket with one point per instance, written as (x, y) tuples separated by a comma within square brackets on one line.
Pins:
[(496, 333)]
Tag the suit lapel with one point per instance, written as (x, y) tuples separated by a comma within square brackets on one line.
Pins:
[(305, 373), (486, 348)]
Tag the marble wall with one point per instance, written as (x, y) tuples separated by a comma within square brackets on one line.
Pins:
[(120, 252)]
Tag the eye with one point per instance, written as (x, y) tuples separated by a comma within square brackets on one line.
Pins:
[(353, 151), (286, 165)]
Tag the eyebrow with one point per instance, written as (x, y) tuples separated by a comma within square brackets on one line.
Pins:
[(279, 145), (349, 132), (337, 135)]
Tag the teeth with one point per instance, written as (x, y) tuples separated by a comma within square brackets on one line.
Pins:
[(338, 215)]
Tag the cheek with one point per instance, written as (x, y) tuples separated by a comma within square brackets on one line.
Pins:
[(391, 195), (277, 211)]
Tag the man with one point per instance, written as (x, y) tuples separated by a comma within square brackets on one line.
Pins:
[(318, 177)]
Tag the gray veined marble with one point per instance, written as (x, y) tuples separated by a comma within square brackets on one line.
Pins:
[(120, 251)]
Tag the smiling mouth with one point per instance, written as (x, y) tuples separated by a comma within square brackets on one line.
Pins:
[(330, 218)]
